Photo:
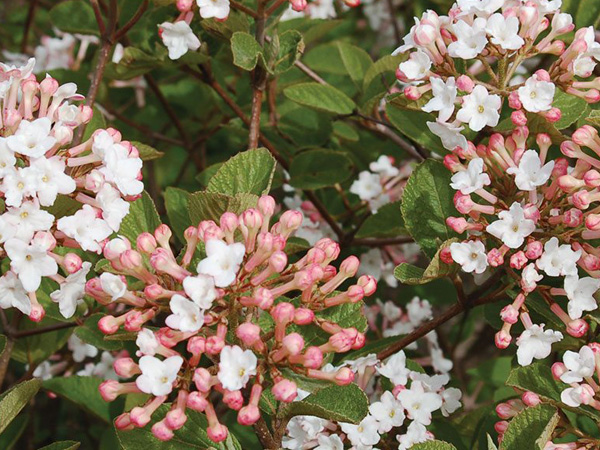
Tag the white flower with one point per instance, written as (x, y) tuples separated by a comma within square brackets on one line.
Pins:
[(439, 362), (574, 396), (479, 109), (104, 369), (187, 316), (580, 292), (113, 285), (415, 434), (470, 255), (368, 185), (363, 434), (472, 179), (19, 184), (146, 342), (444, 96), (395, 369), (80, 349), (179, 38), (451, 398), (219, 9), (236, 367), (530, 173), (583, 66), (331, 442), (43, 371), (201, 289), (417, 66), (536, 95), (470, 39), (222, 261), (12, 294), (301, 431), (71, 291), (121, 170), (450, 135), (7, 229), (388, 411), (7, 158), (114, 208), (86, 228), (558, 261), (418, 403), (530, 277), (580, 365), (535, 343), (384, 166), (51, 179), (481, 8), (513, 227), (504, 31), (30, 262), (27, 220), (418, 311), (32, 138), (158, 376)]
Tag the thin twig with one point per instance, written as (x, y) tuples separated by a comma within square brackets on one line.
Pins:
[(98, 15), (380, 242), (130, 24), (243, 8), (397, 33), (28, 22), (311, 73)]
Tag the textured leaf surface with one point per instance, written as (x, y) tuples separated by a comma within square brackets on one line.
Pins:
[(409, 274), (14, 400), (386, 222), (245, 49), (142, 217), (74, 16), (321, 97), (426, 203), (531, 428), (413, 125), (314, 169), (433, 445), (177, 205)]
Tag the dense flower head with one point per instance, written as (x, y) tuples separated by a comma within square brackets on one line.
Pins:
[(41, 167), (237, 303)]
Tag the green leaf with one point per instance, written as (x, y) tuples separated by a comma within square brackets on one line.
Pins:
[(191, 437), (388, 63), (433, 445), (249, 172), (537, 377), (177, 203), (386, 222), (314, 169), (147, 153), (356, 61), (341, 403), (572, 108), (142, 217), (412, 124), (594, 117), (63, 445), (531, 428), (91, 334), (320, 97), (409, 274), (10, 436), (306, 127), (246, 50), (290, 47), (135, 62), (587, 13), (14, 400), (64, 206), (211, 205), (37, 348), (74, 16), (83, 391), (426, 203)]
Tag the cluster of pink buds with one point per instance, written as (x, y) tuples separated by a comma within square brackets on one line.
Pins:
[(534, 218), (241, 311), (40, 166), (492, 41), (509, 409)]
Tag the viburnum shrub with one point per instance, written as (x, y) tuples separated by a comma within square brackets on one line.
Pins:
[(329, 225)]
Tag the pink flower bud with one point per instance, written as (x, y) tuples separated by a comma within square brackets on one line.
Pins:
[(125, 367), (495, 257), (202, 380), (72, 262), (162, 235), (573, 218), (130, 260), (228, 222), (452, 163), (592, 178), (368, 284), (248, 333), (558, 369), (196, 401), (505, 411), (518, 260), (465, 83), (290, 221), (285, 390), (298, 5), (578, 328), (123, 422), (109, 325), (501, 426), (502, 339), (283, 312), (592, 96), (446, 256), (509, 314), (154, 292), (233, 399), (248, 415), (513, 101), (37, 312), (110, 390), (115, 247), (303, 316), (146, 243), (344, 376), (585, 135), (581, 199), (412, 93), (553, 115), (424, 35), (161, 431), (534, 249), (518, 118), (49, 85), (184, 5), (217, 432), (531, 398), (266, 205), (293, 343), (214, 345), (175, 419)]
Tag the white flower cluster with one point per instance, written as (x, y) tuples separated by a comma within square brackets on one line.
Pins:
[(38, 168), (415, 397)]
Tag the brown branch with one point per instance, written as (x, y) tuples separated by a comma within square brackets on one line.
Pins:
[(474, 299), (264, 435), (243, 8), (98, 15), (259, 79), (308, 71), (274, 7), (254, 134), (397, 33), (28, 23), (48, 329), (131, 23)]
